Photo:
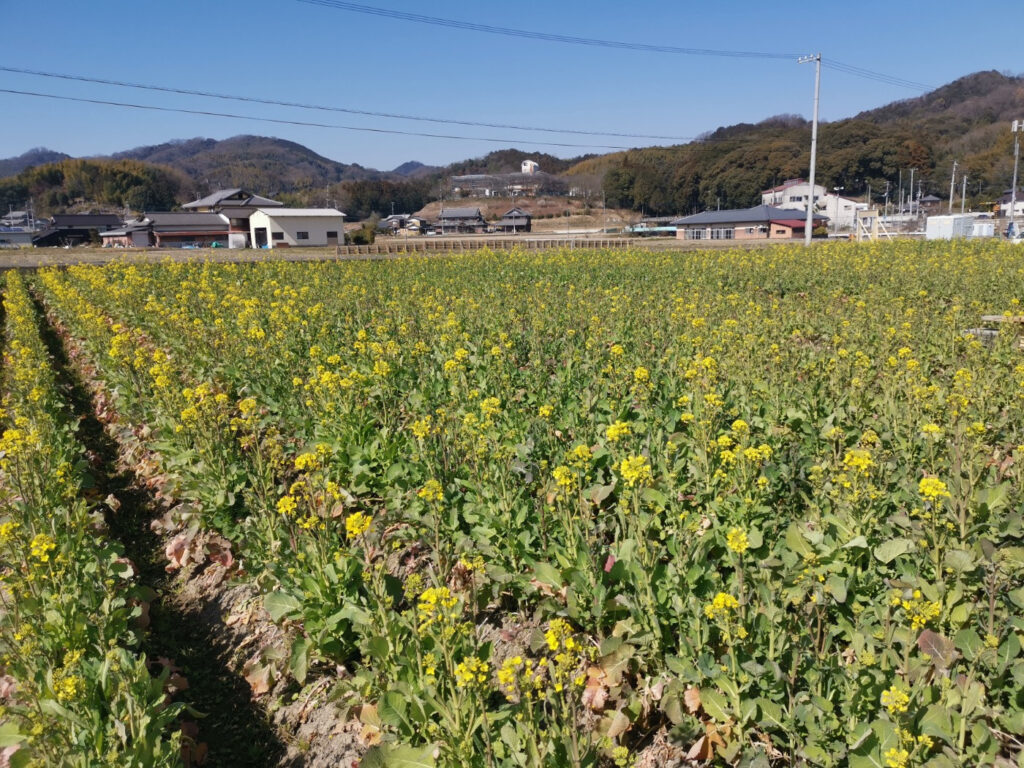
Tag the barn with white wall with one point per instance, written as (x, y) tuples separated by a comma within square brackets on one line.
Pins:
[(296, 227)]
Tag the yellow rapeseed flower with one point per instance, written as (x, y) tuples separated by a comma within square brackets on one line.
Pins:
[(617, 431), (737, 540), (431, 491), (721, 606), (896, 700), (932, 489), (41, 547), (357, 524), (636, 470)]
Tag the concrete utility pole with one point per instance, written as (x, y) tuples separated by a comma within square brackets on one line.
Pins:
[(963, 196), (952, 186), (911, 191), (809, 225), (1018, 127)]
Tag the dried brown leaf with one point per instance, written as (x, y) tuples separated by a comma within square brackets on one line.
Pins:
[(701, 749), (260, 678), (691, 697)]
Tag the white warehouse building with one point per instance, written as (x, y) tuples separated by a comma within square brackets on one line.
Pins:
[(296, 227)]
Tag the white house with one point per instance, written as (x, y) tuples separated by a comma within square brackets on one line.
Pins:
[(1018, 208), (792, 194), (296, 227), (841, 211)]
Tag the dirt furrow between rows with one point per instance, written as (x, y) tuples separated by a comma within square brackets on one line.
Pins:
[(187, 627)]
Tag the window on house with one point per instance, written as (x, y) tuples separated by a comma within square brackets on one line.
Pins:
[(331, 234), (277, 235), (780, 231), (695, 234), (302, 235), (722, 233), (796, 198)]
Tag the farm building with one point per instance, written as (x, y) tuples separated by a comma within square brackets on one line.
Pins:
[(170, 229), (459, 220), (524, 184), (296, 227), (16, 237), (75, 228), (515, 220), (762, 222)]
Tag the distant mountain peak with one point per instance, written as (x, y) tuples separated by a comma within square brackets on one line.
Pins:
[(35, 156)]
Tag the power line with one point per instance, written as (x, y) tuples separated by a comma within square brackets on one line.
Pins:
[(308, 124), (343, 5), (876, 76), (370, 10), (324, 108), (281, 121)]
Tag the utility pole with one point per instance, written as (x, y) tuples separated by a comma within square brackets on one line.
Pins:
[(911, 192), (835, 220), (809, 225), (1018, 127), (900, 187), (963, 196), (952, 186), (886, 197)]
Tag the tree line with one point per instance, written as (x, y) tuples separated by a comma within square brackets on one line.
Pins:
[(113, 184)]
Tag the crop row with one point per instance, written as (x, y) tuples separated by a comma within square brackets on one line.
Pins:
[(73, 690), (540, 505)]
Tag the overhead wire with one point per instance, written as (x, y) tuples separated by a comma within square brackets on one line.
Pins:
[(343, 5), (310, 124), (880, 77), (471, 26), (306, 123), (328, 108)]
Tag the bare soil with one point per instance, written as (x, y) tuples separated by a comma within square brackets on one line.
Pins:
[(206, 625)]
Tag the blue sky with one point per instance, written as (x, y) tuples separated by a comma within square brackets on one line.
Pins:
[(294, 51)]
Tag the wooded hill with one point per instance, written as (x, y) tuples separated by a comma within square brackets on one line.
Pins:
[(272, 166), (106, 184), (38, 156), (968, 120)]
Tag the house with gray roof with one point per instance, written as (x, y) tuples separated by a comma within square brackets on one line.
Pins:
[(515, 220), (237, 205), (171, 229), (64, 229), (230, 198), (460, 220), (762, 222)]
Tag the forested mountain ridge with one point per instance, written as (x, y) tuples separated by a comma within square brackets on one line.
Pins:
[(110, 185), (37, 156), (273, 166), (967, 120)]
